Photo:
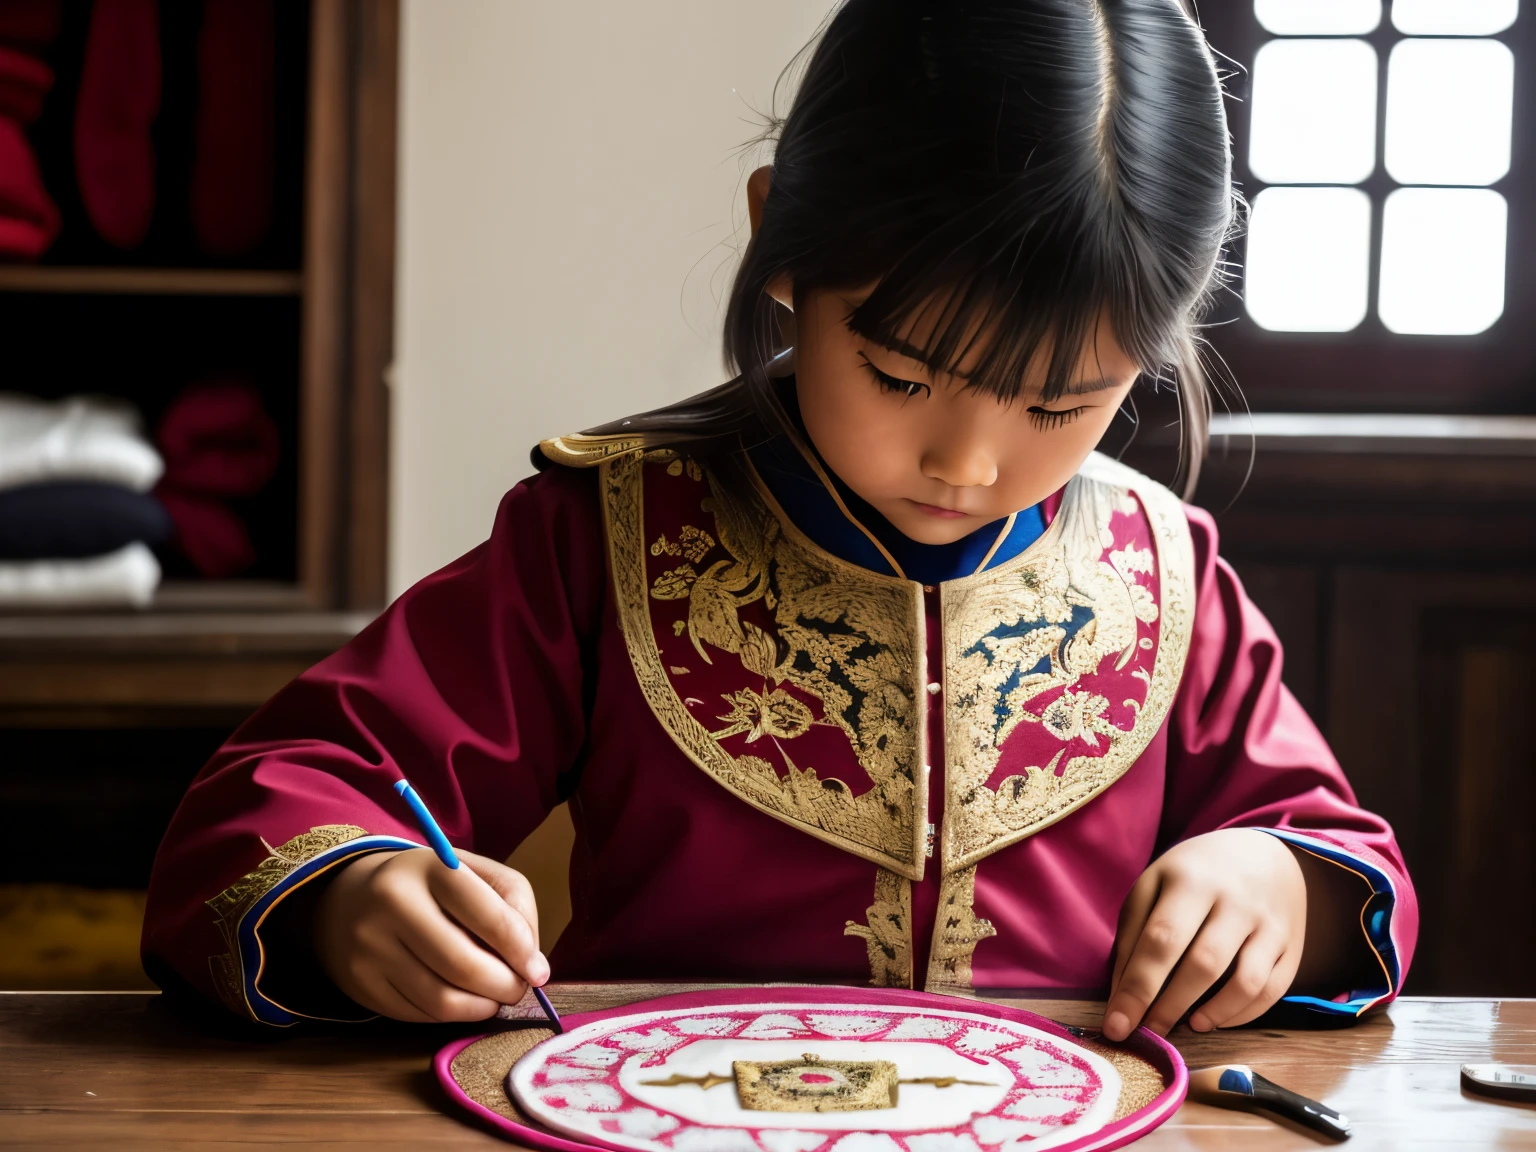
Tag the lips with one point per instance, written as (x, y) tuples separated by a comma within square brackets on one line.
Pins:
[(939, 513)]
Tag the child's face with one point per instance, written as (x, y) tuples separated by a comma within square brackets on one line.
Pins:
[(944, 460)]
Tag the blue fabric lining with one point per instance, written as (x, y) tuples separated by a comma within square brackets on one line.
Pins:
[(814, 510), (250, 948), (1376, 917)]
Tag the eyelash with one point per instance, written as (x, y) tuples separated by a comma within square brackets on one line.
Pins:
[(1047, 420), (889, 383), (1042, 418)]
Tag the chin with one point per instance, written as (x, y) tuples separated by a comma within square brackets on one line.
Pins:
[(926, 530)]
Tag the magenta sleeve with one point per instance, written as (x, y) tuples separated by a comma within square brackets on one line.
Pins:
[(471, 685)]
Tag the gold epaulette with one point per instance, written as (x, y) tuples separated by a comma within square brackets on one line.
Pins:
[(580, 450)]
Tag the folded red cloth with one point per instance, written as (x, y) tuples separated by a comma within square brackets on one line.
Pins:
[(30, 23), (114, 112), (232, 169), (29, 220), (208, 533), (218, 440), (24, 81), (218, 443)]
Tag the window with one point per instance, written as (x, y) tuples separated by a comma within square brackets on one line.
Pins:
[(1449, 104), (1390, 257)]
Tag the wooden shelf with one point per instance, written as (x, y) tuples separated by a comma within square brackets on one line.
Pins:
[(150, 281), (130, 668)]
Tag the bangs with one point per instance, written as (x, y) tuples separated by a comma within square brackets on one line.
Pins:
[(1003, 311)]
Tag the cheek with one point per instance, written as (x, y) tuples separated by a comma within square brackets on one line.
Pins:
[(856, 428)]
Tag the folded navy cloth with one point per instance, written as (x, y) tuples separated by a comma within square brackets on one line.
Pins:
[(70, 519)]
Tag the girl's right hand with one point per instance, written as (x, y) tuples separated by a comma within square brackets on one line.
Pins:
[(408, 938)]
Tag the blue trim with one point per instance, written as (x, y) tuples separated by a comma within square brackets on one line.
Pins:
[(1376, 920), (815, 511), (260, 1007)]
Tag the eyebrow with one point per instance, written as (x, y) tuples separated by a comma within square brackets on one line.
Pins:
[(1083, 387)]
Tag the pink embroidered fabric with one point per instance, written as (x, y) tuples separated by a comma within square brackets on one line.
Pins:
[(619, 1079)]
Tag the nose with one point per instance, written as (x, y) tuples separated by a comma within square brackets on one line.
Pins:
[(961, 461)]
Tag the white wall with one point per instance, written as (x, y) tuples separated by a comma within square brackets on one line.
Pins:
[(571, 205)]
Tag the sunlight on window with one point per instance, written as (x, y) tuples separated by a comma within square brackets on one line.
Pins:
[(1318, 17), (1309, 254), (1314, 112), (1452, 17), (1449, 104), (1442, 260)]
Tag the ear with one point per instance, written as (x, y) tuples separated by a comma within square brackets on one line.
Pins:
[(757, 195), (780, 287)]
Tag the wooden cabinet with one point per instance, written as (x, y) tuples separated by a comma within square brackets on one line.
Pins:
[(308, 316), (106, 716)]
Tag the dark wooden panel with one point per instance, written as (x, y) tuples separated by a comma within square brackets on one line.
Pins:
[(1425, 698)]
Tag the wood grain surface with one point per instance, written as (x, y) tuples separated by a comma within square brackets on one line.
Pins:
[(126, 1070)]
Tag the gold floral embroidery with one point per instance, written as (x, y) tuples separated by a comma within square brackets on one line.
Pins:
[(1038, 623), (231, 905), (887, 932), (853, 641), (777, 714), (956, 931), (846, 637), (692, 542)]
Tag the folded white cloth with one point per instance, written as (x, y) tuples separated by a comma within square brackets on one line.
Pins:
[(125, 578), (81, 438)]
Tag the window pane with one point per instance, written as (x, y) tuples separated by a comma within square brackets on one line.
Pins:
[(1318, 17), (1309, 257), (1453, 17), (1314, 112), (1449, 104), (1442, 260)]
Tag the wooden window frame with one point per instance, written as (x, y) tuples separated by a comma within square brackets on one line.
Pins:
[(1369, 368)]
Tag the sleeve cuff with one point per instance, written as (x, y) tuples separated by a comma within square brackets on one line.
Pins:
[(242, 909), (1375, 922)]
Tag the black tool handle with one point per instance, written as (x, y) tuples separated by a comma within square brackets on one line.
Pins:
[(1294, 1106)]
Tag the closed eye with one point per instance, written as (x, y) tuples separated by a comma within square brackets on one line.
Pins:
[(1047, 419), (889, 383)]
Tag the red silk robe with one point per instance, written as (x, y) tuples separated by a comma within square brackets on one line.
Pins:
[(781, 765)]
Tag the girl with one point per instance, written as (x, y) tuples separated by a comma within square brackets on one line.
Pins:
[(862, 667)]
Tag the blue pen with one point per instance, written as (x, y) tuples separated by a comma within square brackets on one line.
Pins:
[(450, 858)]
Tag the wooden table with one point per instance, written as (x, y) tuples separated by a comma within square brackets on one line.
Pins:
[(125, 1070)]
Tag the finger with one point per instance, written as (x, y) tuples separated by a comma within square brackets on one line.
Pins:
[(1133, 917), (1202, 966), (1255, 965), (1170, 927), (471, 901), (512, 886), (439, 942), (1281, 972), (429, 993)]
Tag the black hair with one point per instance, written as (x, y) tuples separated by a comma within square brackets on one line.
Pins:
[(1010, 168)]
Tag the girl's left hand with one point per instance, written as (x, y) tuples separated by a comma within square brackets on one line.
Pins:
[(1234, 899)]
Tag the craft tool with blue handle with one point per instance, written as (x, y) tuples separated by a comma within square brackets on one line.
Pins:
[(1239, 1086), (450, 859)]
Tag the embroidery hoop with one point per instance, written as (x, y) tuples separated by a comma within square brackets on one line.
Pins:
[(473, 1070)]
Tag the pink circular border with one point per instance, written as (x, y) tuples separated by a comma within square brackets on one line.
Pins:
[(1154, 1048)]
